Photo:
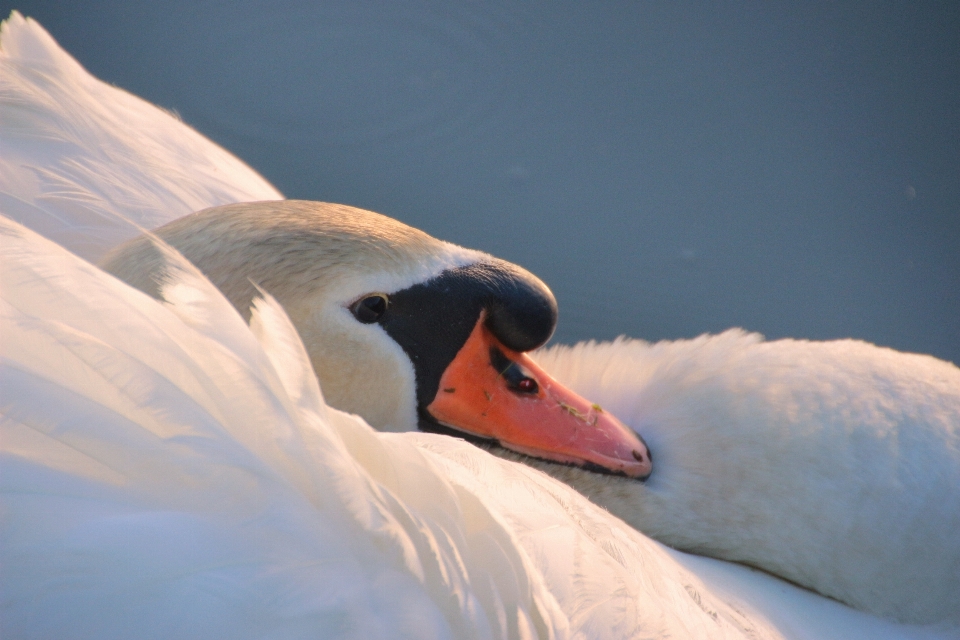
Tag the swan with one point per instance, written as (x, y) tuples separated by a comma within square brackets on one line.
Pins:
[(170, 471), (452, 258)]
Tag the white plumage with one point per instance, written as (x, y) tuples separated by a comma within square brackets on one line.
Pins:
[(167, 471), (833, 464), (71, 171)]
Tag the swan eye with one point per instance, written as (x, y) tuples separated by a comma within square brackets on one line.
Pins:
[(370, 309)]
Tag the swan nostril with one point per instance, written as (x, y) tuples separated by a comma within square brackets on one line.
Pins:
[(513, 374), (527, 385), (637, 456)]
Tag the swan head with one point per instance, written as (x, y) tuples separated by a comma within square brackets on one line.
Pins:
[(403, 329)]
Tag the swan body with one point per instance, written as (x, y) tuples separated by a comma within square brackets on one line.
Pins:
[(833, 464), (428, 536)]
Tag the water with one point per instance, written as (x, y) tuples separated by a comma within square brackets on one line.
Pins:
[(667, 168)]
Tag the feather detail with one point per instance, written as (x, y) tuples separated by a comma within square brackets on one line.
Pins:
[(90, 165)]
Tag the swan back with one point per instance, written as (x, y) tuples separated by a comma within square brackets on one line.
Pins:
[(90, 165), (833, 464)]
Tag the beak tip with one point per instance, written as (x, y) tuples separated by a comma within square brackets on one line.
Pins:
[(643, 456), (644, 461), (642, 471)]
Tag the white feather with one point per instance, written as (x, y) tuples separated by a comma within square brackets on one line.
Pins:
[(82, 160), (833, 464)]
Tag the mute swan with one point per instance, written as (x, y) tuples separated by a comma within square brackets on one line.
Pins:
[(36, 40), (170, 472)]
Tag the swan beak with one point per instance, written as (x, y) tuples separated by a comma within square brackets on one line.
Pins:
[(493, 392)]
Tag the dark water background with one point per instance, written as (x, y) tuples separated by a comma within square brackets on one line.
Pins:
[(667, 168)]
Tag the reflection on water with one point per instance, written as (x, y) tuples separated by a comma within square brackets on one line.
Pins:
[(668, 169)]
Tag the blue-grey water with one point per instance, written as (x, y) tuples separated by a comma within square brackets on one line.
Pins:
[(667, 168)]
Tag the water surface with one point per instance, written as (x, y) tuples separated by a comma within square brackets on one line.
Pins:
[(668, 169)]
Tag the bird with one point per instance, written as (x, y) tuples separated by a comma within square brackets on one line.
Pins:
[(171, 471), (377, 305)]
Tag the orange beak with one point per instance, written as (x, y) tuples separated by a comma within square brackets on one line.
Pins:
[(493, 392)]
